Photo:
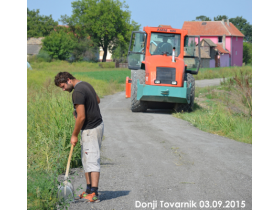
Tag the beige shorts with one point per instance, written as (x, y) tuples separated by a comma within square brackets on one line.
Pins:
[(91, 145)]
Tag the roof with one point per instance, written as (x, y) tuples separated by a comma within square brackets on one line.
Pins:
[(211, 28), (165, 26), (33, 49), (209, 41), (35, 40), (221, 49)]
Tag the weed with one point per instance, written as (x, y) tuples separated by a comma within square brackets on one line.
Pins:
[(50, 125), (225, 110), (187, 183)]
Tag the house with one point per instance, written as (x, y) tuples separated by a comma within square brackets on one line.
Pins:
[(34, 45), (192, 62), (219, 57), (108, 56), (225, 35), (223, 57)]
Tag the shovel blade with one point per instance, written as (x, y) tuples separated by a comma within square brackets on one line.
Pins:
[(66, 192)]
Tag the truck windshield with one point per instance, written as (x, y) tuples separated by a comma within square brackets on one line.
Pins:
[(164, 42)]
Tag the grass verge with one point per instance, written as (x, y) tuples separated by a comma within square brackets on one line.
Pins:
[(225, 110), (50, 124)]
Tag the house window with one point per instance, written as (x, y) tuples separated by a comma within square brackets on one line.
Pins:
[(236, 38), (220, 39), (235, 52)]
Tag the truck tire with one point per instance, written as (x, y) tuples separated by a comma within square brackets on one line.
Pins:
[(185, 107), (137, 105)]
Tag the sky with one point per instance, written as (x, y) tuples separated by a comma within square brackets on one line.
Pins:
[(156, 12)]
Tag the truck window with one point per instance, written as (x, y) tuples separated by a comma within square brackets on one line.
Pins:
[(164, 42)]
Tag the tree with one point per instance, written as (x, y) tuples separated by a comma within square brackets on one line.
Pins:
[(107, 22), (247, 52), (120, 50), (202, 18), (39, 25), (220, 17), (84, 50), (247, 31), (243, 26), (59, 45)]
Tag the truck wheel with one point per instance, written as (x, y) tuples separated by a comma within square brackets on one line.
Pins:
[(137, 105), (179, 107)]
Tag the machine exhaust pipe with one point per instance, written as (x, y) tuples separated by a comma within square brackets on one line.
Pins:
[(173, 55)]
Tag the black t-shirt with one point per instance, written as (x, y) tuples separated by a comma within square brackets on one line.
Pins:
[(85, 94)]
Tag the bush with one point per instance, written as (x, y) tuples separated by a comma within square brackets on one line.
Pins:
[(59, 45), (43, 56), (247, 53)]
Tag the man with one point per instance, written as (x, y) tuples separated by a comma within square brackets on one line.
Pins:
[(88, 120), (163, 46)]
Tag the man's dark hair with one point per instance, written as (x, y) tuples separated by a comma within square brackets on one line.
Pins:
[(62, 77)]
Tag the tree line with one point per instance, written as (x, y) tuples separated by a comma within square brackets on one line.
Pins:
[(94, 24)]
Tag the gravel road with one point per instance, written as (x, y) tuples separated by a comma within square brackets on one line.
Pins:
[(158, 160), (208, 82)]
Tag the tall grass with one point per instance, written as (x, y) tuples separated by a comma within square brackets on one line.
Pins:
[(220, 121), (241, 85), (49, 128), (220, 72), (225, 110)]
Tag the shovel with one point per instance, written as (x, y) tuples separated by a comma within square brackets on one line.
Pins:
[(66, 190)]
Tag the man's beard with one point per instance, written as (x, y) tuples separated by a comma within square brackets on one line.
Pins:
[(70, 89)]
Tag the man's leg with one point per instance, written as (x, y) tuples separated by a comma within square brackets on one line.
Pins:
[(93, 146), (94, 179), (94, 176), (88, 178)]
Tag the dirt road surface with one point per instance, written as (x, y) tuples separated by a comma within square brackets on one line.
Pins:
[(155, 159)]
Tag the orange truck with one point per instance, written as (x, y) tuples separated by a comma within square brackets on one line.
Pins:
[(162, 62)]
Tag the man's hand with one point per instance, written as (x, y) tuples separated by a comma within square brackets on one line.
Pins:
[(98, 99), (74, 140)]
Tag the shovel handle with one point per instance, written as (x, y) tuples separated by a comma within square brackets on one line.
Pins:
[(68, 163)]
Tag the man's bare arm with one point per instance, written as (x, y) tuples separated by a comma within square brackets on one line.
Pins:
[(98, 99), (80, 109)]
